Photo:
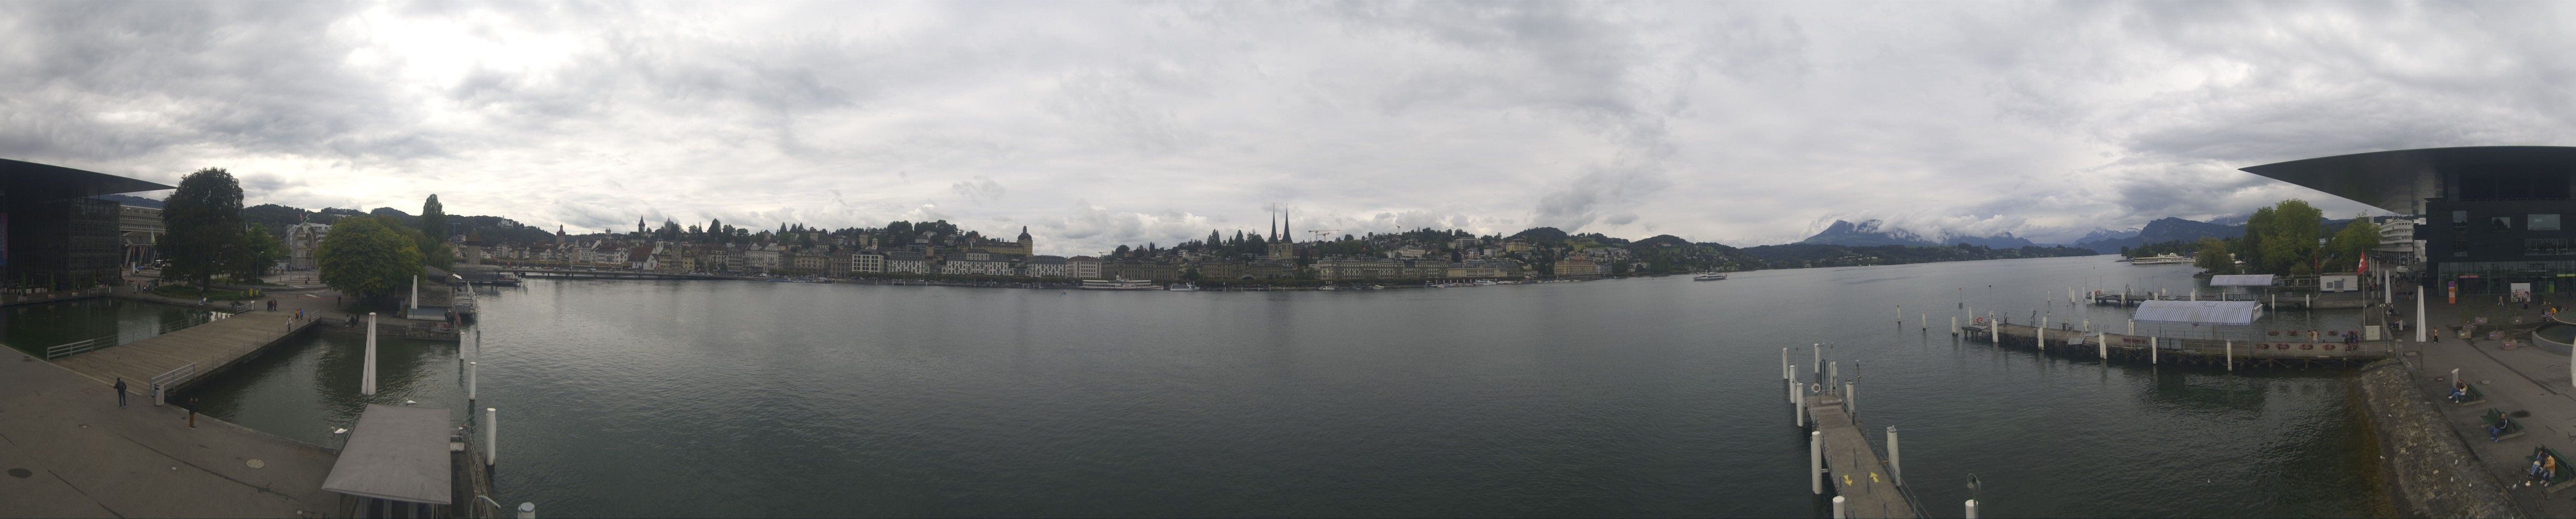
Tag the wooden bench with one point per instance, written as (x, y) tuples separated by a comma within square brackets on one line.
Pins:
[(2474, 396), (2560, 480), (2493, 417)]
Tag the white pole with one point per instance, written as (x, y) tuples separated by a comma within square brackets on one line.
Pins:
[(2151, 350), (1833, 374), (367, 378), (1816, 462), (2088, 326), (1925, 319), (1838, 508), (1850, 405), (1800, 397), (2231, 355), (2133, 327), (1900, 315), (469, 381), (1793, 387), (2419, 318), (1784, 364), (2041, 334), (2311, 303), (1895, 464), (2104, 347), (1995, 329), (1954, 324), (1972, 509), (491, 437), (1819, 350), (527, 511), (415, 292)]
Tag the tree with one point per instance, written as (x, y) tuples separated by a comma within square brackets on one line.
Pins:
[(2347, 247), (2213, 257), (2287, 236), (433, 231), (204, 222), (260, 250), (368, 257)]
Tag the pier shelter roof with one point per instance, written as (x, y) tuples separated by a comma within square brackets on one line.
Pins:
[(2400, 180), (2241, 280), (397, 453), (2211, 312)]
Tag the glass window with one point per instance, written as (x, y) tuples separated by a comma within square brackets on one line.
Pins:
[(2459, 218), (2545, 247), (2543, 222), (2499, 223)]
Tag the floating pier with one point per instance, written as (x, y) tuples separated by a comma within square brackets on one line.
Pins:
[(2284, 351), (1841, 462)]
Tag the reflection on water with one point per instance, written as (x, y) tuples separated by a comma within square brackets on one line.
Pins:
[(1649, 397), (304, 387), (32, 328)]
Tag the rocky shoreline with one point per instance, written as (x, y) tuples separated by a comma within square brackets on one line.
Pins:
[(2429, 471)]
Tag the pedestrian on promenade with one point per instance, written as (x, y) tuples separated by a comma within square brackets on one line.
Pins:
[(120, 391)]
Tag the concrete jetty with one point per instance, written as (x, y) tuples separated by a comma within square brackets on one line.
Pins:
[(202, 349), (1853, 470), (69, 451), (2271, 351)]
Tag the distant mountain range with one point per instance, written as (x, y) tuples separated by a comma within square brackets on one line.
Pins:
[(1871, 233), (2164, 230)]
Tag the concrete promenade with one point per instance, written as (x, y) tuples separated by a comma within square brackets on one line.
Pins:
[(69, 451), (2523, 379)]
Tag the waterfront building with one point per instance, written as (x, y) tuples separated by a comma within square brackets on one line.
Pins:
[(2490, 216), (978, 264), (836, 264), (1082, 267), (1023, 247), (868, 263), (1577, 266), (58, 235), (764, 258), (1346, 269), (1516, 246), (2397, 244), (1046, 266), (810, 261), (1139, 270), (904, 261), (302, 240), (1479, 269)]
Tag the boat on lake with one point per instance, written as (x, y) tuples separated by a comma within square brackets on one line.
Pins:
[(1709, 276), (1184, 287), (2161, 259)]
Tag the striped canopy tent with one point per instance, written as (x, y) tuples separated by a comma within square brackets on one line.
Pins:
[(2205, 312), (2241, 280)]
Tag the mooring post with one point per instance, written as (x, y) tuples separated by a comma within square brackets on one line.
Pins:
[(491, 437), (2088, 326), (1900, 315), (1798, 399), (2310, 303), (2151, 350), (1819, 363), (1995, 330), (1833, 374), (527, 511), (2133, 327), (1954, 324), (469, 385), (2104, 347), (2231, 355), (1895, 464), (1972, 509), (2040, 334), (367, 378), (1851, 406), (1925, 320), (1838, 508), (1784, 364), (1816, 462), (1793, 387)]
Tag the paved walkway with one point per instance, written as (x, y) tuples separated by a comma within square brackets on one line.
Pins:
[(2522, 379), (69, 451)]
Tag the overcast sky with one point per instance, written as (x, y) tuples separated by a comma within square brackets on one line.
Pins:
[(1102, 123)]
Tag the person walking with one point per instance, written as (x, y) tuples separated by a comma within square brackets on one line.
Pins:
[(120, 391)]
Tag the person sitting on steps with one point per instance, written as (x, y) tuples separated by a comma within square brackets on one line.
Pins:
[(2459, 391)]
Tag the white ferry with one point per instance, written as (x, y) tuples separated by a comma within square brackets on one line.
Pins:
[(1184, 287), (1119, 284), (1711, 276), (2161, 259)]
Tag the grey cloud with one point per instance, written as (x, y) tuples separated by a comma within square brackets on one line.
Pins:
[(982, 189)]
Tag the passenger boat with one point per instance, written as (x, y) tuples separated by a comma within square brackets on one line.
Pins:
[(1710, 276), (1118, 284), (1184, 287), (2161, 259)]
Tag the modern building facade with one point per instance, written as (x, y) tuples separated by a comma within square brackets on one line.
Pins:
[(57, 236), (2491, 216)]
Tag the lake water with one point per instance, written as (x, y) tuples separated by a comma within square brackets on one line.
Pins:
[(1642, 397)]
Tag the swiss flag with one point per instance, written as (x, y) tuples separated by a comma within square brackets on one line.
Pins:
[(2365, 266)]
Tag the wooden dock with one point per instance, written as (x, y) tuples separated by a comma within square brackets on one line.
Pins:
[(209, 347), (2290, 350), (1853, 470)]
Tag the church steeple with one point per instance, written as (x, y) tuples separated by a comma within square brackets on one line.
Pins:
[(1274, 226)]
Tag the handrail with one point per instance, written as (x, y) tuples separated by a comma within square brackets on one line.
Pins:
[(496, 506), (78, 347)]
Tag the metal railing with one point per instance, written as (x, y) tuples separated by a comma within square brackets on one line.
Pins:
[(162, 382), (87, 345)]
